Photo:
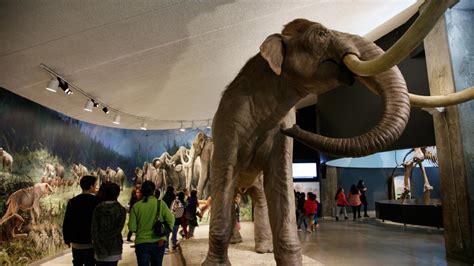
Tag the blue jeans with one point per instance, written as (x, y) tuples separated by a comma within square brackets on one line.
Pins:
[(174, 235), (150, 253), (82, 257)]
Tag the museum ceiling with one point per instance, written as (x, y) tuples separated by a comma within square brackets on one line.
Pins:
[(159, 62)]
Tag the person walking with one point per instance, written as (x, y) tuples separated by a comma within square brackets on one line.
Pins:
[(310, 207), (354, 201), (301, 211), (363, 189), (168, 198), (190, 213), (108, 220), (149, 247), (177, 208), (341, 203), (135, 197), (77, 222)]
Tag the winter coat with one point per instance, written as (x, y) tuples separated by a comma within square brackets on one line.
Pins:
[(107, 224), (78, 218)]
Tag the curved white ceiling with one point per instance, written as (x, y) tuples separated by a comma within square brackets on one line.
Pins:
[(160, 61)]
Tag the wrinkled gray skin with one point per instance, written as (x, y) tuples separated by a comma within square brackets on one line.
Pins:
[(258, 106)]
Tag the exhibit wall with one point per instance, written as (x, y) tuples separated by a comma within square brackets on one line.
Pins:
[(378, 182), (42, 154)]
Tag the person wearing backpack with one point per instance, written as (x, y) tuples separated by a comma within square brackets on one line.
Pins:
[(177, 208)]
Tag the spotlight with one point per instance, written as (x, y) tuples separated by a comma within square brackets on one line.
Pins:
[(117, 119), (64, 86), (89, 105), (53, 85), (182, 128), (144, 126), (106, 110), (96, 104)]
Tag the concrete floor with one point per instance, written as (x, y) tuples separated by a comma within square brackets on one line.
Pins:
[(365, 242)]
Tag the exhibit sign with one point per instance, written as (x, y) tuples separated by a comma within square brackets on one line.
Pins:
[(397, 185)]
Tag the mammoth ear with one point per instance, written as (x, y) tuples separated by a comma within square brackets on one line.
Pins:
[(272, 51)]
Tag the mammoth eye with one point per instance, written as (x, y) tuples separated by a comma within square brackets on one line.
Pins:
[(322, 33)]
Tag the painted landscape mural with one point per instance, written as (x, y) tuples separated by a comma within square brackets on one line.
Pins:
[(44, 154)]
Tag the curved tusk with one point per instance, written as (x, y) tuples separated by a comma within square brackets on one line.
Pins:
[(403, 47), (442, 100)]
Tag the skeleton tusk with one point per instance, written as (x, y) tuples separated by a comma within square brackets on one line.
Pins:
[(442, 100), (404, 46)]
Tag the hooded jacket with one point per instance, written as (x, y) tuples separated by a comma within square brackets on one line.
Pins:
[(107, 224)]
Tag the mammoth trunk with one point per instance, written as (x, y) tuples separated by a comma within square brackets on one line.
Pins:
[(391, 86)]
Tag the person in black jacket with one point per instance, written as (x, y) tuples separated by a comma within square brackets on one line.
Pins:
[(77, 222), (168, 199)]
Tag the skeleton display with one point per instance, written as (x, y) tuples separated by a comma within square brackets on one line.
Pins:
[(420, 155)]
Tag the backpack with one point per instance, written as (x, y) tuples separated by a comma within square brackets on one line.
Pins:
[(177, 208)]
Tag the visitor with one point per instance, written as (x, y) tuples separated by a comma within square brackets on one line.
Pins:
[(190, 213), (237, 211), (177, 208), (354, 201), (77, 222), (184, 221), (301, 211), (310, 210), (168, 198), (341, 203), (362, 189), (135, 197), (318, 205), (149, 247), (107, 224)]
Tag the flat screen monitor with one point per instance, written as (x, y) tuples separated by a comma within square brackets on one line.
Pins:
[(304, 170)]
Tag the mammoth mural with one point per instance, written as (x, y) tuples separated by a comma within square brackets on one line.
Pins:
[(78, 171), (256, 112)]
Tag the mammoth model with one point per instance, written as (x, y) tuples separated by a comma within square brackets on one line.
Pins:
[(256, 111), (201, 153), (7, 160), (27, 199)]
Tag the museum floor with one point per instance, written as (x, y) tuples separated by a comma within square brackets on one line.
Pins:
[(365, 242)]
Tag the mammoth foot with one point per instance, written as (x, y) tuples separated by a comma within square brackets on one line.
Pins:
[(290, 259), (264, 247), (210, 262), (236, 238)]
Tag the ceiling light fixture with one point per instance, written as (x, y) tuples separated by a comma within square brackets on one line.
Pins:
[(117, 119), (58, 80), (95, 103), (53, 85), (89, 105)]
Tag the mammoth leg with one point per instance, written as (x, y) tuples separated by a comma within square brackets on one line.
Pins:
[(426, 186), (222, 214), (262, 231), (278, 185)]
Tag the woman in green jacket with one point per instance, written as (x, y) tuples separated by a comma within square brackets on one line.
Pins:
[(149, 247)]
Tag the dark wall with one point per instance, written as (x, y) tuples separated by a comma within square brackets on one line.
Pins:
[(377, 182)]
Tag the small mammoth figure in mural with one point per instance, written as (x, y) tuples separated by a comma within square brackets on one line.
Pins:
[(27, 199), (101, 174), (78, 171), (49, 171), (138, 179), (119, 178), (59, 169), (7, 160), (10, 228), (111, 173)]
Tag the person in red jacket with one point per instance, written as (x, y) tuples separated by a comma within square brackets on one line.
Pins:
[(341, 203), (310, 207), (354, 200)]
